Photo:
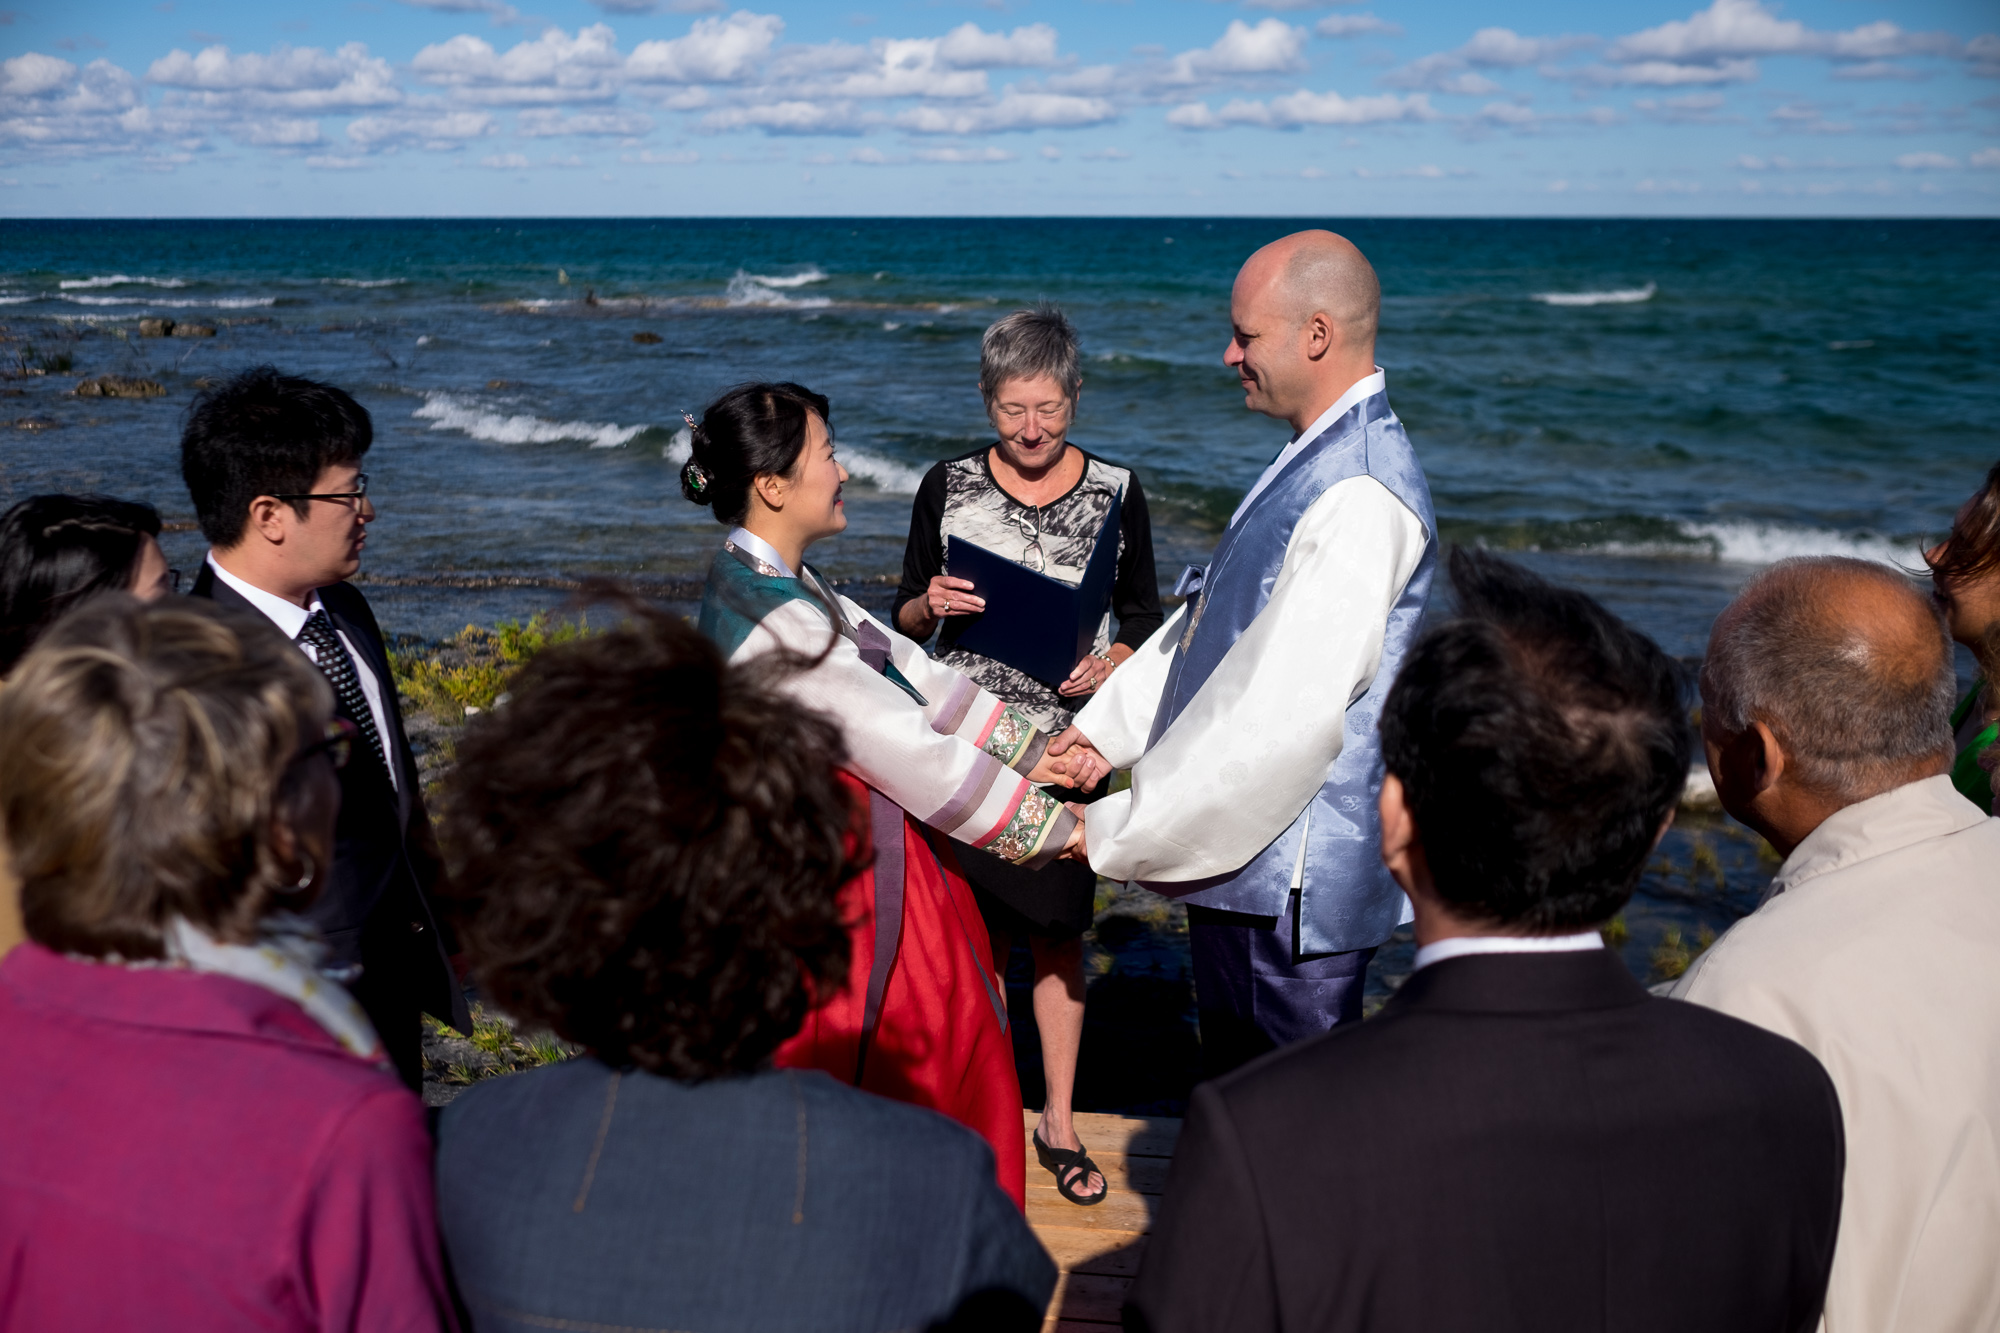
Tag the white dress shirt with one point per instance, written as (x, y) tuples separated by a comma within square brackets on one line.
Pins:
[(1365, 387), (1256, 742), (1461, 945), (291, 618)]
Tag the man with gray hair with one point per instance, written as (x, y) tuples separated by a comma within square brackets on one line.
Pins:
[(1249, 719), (1826, 705)]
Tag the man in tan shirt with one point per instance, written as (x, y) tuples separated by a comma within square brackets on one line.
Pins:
[(1826, 699)]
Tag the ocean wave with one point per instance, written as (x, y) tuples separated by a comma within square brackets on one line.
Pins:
[(218, 303), (362, 282), (1757, 544), (1616, 296), (884, 474), (117, 280), (17, 300), (1650, 537), (447, 411), (748, 288)]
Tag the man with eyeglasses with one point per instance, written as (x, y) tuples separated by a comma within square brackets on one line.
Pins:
[(273, 464)]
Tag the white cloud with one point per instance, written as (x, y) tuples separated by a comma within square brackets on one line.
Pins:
[(1747, 28), (647, 157), (1986, 159), (1489, 48), (1879, 69), (548, 122), (1983, 52), (433, 128), (1508, 113), (969, 47), (1355, 25), (790, 117), (1428, 172), (1051, 153), (1927, 162), (35, 75), (288, 79), (505, 162), (551, 68), (1271, 47), (715, 50), (869, 157), (333, 162), (963, 156), (280, 132), (46, 101), (1665, 74), (1013, 111), (1107, 155), (1651, 186), (1304, 108)]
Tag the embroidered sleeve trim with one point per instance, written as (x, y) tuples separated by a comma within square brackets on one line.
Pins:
[(1028, 830), (1031, 753), (1010, 737)]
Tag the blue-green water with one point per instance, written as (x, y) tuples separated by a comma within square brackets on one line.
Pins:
[(1697, 399)]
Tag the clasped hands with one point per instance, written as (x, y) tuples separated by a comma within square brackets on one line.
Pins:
[(1073, 761)]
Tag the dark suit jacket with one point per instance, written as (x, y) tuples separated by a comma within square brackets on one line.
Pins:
[(385, 856), (779, 1200), (1518, 1143)]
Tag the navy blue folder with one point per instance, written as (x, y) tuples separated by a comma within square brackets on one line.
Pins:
[(1032, 622)]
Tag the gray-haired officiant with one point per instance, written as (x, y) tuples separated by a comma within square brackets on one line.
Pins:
[(1040, 501)]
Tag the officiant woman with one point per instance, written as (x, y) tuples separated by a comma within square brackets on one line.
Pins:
[(1040, 501)]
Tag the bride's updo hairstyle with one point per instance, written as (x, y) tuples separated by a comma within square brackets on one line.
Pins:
[(752, 430)]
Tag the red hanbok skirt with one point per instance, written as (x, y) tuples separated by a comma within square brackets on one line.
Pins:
[(923, 1018)]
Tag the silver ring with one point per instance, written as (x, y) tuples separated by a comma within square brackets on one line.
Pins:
[(947, 603)]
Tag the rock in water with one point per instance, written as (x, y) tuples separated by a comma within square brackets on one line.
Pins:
[(194, 330), (647, 339), (156, 328), (120, 386)]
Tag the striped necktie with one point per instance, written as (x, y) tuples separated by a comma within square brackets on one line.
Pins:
[(338, 667)]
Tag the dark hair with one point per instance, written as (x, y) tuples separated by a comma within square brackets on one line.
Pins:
[(1541, 742), (262, 432), (57, 550), (652, 846), (145, 748), (751, 431), (1973, 549)]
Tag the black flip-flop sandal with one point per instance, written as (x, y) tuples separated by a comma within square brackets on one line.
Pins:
[(1062, 1161)]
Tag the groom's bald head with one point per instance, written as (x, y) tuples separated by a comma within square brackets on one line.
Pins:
[(1318, 272)]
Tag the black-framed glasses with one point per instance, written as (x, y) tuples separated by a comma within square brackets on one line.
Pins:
[(338, 743), (360, 490)]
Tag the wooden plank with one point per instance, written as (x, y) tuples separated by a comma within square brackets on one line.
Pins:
[(1135, 1175), (1090, 1296), (1132, 1136), (1081, 1250), (1123, 1211)]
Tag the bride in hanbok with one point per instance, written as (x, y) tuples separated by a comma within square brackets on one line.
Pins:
[(931, 756)]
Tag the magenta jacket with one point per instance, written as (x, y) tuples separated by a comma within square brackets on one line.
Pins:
[(189, 1151)]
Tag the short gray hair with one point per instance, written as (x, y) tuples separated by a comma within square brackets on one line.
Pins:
[(1853, 716), (1028, 344)]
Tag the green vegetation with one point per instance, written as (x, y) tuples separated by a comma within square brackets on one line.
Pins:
[(469, 672), (1673, 956), (496, 1049), (1615, 932)]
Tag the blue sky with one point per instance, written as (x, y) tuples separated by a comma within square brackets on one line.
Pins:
[(1271, 107)]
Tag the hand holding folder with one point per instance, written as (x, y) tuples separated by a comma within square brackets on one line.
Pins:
[(1032, 622)]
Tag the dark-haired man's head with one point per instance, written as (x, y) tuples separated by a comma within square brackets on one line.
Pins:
[(1536, 746), (273, 464), (59, 550), (1827, 681), (653, 844)]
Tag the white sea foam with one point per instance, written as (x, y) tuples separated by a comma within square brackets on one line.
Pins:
[(117, 280), (885, 474), (676, 450), (363, 282), (17, 300), (447, 411), (762, 289), (1757, 544), (219, 303), (1616, 296)]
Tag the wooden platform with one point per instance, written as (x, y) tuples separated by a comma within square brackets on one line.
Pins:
[(1098, 1248)]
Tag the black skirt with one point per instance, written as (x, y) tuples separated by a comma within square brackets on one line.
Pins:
[(1056, 902)]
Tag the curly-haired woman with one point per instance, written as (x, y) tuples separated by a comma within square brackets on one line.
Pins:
[(654, 849), (1965, 568)]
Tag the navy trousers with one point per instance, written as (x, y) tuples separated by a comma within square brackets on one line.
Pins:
[(1254, 993)]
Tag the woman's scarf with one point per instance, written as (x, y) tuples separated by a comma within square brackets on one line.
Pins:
[(285, 960)]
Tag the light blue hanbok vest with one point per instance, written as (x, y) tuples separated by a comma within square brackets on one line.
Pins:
[(1348, 900)]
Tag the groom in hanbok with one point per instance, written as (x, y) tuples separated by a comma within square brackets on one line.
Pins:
[(1248, 719)]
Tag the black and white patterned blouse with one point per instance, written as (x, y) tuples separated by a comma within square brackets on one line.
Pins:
[(960, 498)]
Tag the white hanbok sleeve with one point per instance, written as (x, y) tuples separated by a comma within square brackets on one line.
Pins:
[(1255, 743), (1119, 717), (957, 761)]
